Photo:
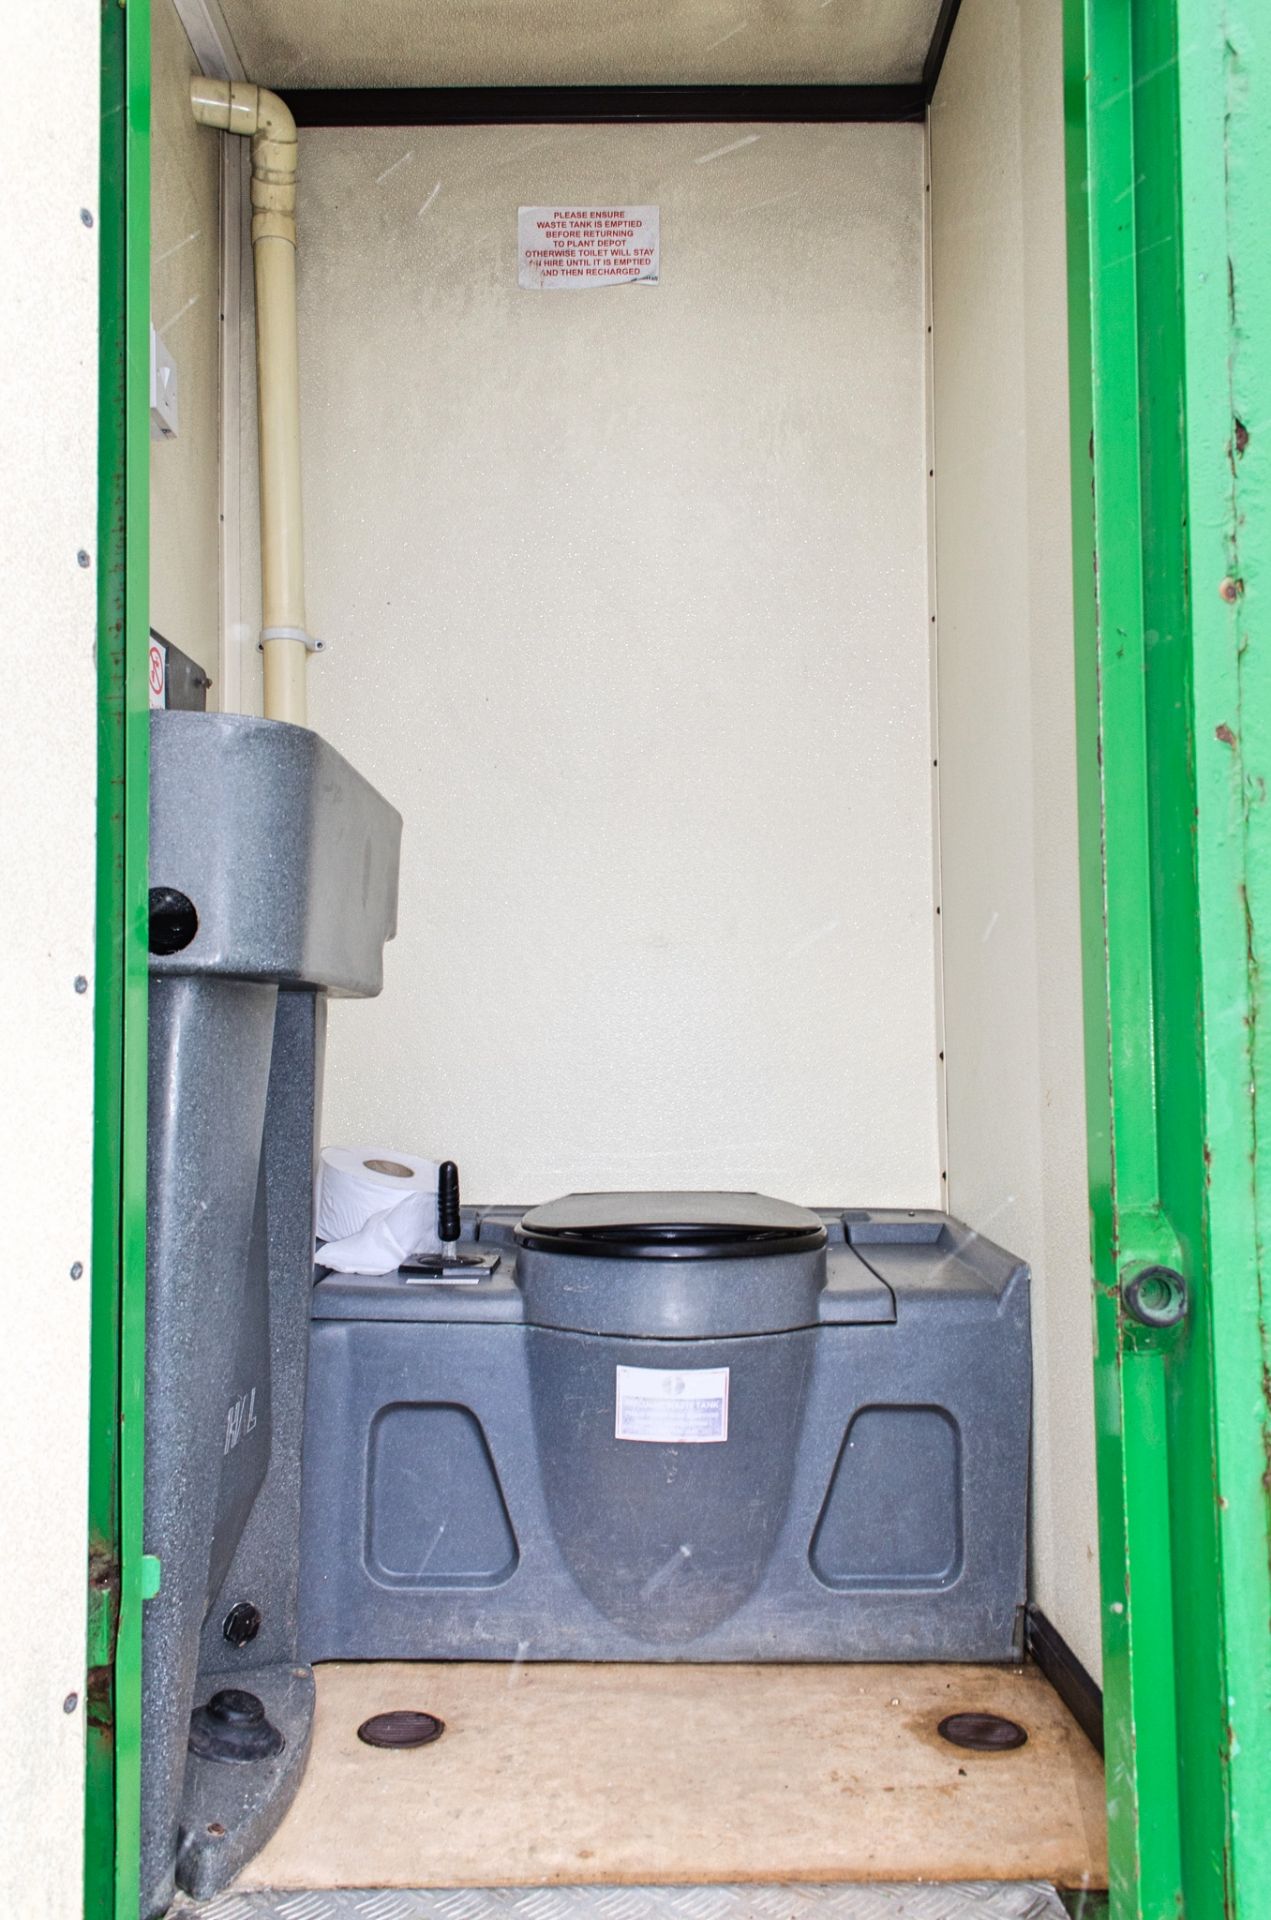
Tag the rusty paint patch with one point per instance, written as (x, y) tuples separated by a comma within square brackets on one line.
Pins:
[(1225, 734), (99, 1699)]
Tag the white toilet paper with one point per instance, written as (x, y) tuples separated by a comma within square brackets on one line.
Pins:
[(374, 1208)]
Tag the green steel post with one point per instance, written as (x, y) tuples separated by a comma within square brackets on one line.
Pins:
[(1159, 97), (103, 1466), (1224, 118), (136, 974), (112, 1823), (1117, 929)]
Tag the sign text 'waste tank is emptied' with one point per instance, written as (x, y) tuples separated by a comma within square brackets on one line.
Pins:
[(587, 247)]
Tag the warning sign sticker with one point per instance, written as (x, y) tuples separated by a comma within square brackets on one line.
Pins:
[(688, 1407), (587, 247), (158, 673)]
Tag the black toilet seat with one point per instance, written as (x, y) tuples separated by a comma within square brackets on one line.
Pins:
[(671, 1226)]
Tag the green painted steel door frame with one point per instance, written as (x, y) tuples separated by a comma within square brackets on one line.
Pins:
[(1168, 114), (117, 1389), (1168, 108)]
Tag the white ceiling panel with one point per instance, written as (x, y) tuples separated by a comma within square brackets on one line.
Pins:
[(421, 43)]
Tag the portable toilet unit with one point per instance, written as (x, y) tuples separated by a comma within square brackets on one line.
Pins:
[(672, 625)]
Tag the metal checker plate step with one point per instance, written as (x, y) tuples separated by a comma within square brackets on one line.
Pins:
[(981, 1900)]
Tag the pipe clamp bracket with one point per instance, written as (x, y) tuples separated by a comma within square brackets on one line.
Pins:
[(291, 633)]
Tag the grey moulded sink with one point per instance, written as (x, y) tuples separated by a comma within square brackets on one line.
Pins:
[(287, 856), (273, 870)]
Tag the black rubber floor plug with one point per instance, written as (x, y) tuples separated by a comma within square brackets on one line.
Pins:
[(982, 1732), (404, 1727)]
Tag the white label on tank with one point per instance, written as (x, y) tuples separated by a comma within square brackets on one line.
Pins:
[(685, 1408), (561, 247)]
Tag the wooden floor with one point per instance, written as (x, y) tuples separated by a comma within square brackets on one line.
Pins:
[(552, 1775)]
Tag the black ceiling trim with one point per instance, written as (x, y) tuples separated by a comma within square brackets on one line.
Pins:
[(598, 106), (946, 19)]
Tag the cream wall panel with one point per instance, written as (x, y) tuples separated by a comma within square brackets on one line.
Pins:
[(434, 43), (625, 596), (1016, 1111), (185, 306), (48, 773)]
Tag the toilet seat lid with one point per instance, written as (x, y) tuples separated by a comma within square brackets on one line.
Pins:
[(671, 1226)]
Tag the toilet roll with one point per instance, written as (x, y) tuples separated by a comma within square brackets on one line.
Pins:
[(374, 1207)]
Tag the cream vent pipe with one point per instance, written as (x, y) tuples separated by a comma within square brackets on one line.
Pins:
[(266, 121)]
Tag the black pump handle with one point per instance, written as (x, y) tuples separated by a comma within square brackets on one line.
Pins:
[(447, 1203)]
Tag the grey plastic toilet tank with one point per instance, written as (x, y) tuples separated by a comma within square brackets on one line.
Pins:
[(273, 870), (673, 1427)]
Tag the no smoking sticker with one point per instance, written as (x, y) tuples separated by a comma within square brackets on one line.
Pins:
[(560, 247), (158, 674)]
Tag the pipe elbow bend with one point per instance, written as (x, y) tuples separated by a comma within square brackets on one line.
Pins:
[(274, 119), (239, 107)]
